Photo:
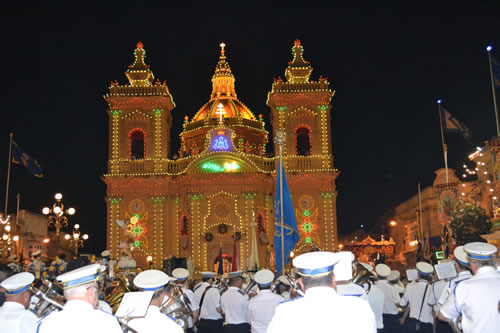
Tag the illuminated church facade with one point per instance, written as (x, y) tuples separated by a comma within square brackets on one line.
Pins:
[(221, 183)]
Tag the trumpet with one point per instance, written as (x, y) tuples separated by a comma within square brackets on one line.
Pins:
[(294, 285)]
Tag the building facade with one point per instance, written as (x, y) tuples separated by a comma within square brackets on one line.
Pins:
[(220, 185)]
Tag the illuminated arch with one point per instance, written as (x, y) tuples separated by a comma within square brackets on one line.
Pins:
[(137, 144), (303, 140)]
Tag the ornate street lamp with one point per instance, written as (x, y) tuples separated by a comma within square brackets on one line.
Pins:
[(75, 241), (56, 216)]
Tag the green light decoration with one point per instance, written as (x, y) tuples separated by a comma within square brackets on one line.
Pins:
[(137, 230), (308, 240), (307, 227), (439, 255), (306, 212), (137, 243), (214, 167)]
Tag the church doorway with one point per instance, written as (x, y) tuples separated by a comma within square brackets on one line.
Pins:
[(227, 262)]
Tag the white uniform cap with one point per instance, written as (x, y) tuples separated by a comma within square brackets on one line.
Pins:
[(208, 274), (283, 280), (105, 253), (382, 270), (460, 255), (424, 268), (316, 263), (393, 276), (172, 279), (480, 251), (151, 280), (36, 253), (264, 277), (18, 283), (367, 266), (234, 274), (82, 275), (181, 274)]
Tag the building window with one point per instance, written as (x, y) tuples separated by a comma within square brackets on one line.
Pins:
[(303, 140), (137, 144)]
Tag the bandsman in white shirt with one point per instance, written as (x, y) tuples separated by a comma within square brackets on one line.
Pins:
[(79, 313), (321, 309), (477, 299), (36, 267), (208, 298), (234, 304), (394, 280), (343, 277), (14, 316), (154, 321), (390, 310), (376, 298), (283, 288), (261, 307), (181, 274), (417, 296)]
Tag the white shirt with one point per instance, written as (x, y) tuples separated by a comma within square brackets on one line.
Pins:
[(322, 310), (414, 294), (210, 303), (14, 318), (261, 308), (193, 303), (155, 321), (199, 289), (104, 307), (285, 295), (477, 300), (376, 298), (452, 284), (437, 289), (79, 317), (391, 297), (234, 304)]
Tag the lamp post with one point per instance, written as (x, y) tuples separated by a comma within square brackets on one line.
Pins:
[(6, 239), (150, 261), (56, 216), (75, 241)]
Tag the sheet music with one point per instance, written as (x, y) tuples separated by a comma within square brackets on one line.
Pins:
[(134, 304), (445, 270), (412, 274)]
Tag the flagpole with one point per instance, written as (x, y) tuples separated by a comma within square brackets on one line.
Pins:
[(420, 215), (445, 149), (489, 48), (280, 139), (8, 176)]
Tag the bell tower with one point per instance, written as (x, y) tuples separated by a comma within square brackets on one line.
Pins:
[(139, 121), (301, 107)]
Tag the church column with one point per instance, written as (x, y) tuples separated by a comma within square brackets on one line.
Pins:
[(246, 249), (329, 217), (194, 198), (114, 229), (115, 148), (158, 213), (157, 126)]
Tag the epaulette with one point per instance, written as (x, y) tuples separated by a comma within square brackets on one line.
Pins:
[(355, 295)]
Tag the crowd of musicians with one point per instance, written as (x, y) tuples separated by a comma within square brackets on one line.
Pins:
[(314, 298)]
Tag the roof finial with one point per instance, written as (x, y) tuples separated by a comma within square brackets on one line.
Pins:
[(296, 42), (140, 45), (222, 46)]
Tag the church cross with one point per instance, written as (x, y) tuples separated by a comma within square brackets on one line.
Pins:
[(221, 112)]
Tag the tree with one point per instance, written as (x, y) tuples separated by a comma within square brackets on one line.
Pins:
[(468, 222)]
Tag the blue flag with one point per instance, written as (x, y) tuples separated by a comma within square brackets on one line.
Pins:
[(452, 125), (495, 68), (220, 270), (19, 156), (291, 234)]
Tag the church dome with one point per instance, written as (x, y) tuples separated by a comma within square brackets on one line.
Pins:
[(223, 102)]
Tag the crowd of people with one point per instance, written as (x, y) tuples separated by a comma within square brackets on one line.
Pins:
[(315, 298)]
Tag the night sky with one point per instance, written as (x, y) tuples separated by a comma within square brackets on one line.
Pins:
[(388, 63)]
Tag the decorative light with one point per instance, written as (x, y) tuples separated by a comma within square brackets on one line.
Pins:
[(85, 236), (77, 226), (439, 101), (7, 228), (15, 238), (5, 237), (489, 48), (57, 209), (71, 211), (67, 236), (58, 196), (46, 240), (46, 210), (393, 223)]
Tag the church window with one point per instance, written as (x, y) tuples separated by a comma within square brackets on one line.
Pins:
[(303, 140), (137, 144)]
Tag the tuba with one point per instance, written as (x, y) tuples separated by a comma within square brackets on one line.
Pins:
[(364, 277), (45, 300), (177, 307), (115, 297)]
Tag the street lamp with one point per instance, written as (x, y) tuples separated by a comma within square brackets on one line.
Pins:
[(150, 261), (393, 223), (75, 241), (56, 216)]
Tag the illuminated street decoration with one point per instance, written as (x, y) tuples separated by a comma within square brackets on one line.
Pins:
[(215, 167), (221, 143)]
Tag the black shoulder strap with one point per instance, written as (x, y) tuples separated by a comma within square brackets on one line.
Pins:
[(423, 298), (203, 296)]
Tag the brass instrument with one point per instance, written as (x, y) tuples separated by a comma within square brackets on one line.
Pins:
[(222, 285), (45, 302), (250, 286), (294, 285), (177, 307), (363, 277), (115, 297), (456, 324)]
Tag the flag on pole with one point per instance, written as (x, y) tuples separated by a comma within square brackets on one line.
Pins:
[(234, 264), (290, 230), (453, 125), (220, 269), (495, 68), (19, 156)]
